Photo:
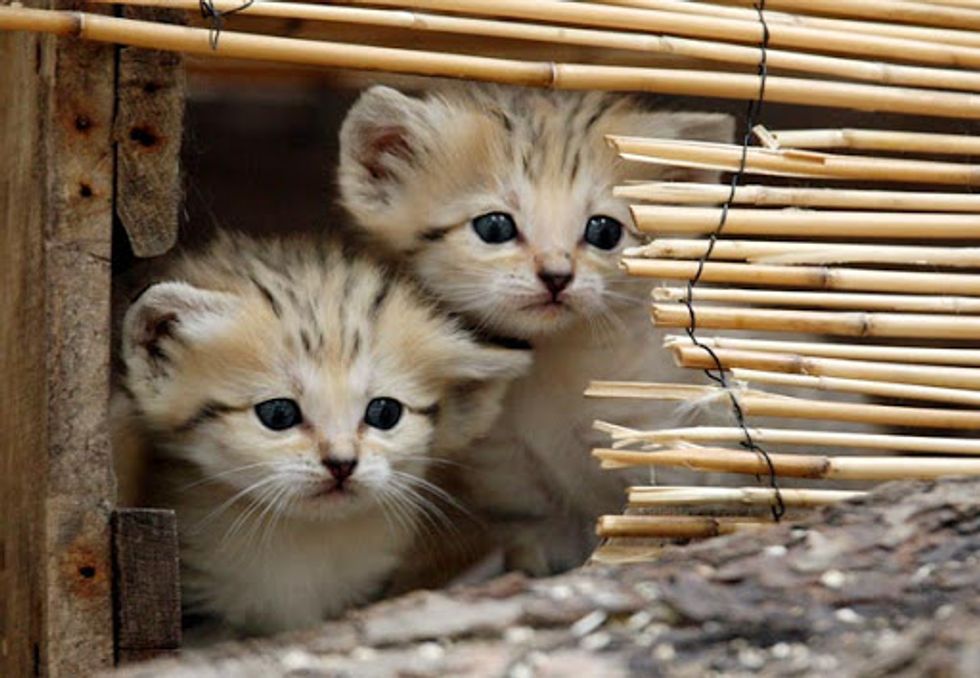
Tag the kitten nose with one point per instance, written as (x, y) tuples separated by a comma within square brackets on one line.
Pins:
[(555, 282), (341, 470)]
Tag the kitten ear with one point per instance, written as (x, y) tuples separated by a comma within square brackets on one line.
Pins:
[(717, 127), (481, 375), (169, 314), (380, 141)]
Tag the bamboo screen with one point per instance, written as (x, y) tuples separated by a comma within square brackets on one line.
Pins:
[(889, 272)]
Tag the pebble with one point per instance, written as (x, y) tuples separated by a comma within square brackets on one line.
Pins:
[(833, 579)]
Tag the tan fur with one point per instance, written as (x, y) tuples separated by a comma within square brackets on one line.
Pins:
[(415, 172), (266, 542)]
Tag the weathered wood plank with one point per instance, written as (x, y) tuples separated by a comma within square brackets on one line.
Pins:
[(146, 583), (78, 166), (57, 486), (149, 124), (22, 437)]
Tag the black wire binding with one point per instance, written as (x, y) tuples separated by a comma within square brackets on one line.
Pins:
[(216, 18), (751, 116)]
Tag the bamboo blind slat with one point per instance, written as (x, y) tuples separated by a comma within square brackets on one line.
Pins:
[(681, 193)]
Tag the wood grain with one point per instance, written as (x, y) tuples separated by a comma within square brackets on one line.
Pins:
[(146, 583)]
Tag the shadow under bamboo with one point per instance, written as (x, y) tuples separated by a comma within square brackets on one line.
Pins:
[(675, 527), (837, 350), (795, 253), (810, 277), (689, 193), (793, 163), (879, 140), (537, 74), (925, 375), (724, 460), (841, 323)]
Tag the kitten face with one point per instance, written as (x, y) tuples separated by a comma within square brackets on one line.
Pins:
[(305, 380), (503, 197)]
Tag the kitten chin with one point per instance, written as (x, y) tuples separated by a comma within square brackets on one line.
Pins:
[(288, 399), (501, 199)]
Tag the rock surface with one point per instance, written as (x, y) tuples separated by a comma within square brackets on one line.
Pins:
[(889, 585)]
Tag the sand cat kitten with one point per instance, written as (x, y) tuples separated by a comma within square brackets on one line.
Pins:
[(502, 199), (295, 393)]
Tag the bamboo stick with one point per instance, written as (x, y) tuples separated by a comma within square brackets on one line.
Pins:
[(783, 436), (925, 375), (851, 26), (675, 527), (955, 396), (901, 11), (722, 460), (843, 323), (762, 404), (793, 163), (689, 392), (781, 35), (539, 74), (690, 193), (879, 140), (794, 252), (812, 277), (663, 495), (865, 302), (882, 73), (866, 352)]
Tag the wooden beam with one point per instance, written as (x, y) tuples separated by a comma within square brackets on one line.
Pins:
[(56, 485)]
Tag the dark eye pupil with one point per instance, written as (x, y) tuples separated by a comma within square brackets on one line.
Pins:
[(383, 413), (279, 413), (603, 232), (496, 227)]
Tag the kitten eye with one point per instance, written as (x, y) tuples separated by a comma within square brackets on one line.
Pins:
[(495, 228), (383, 413), (279, 414), (603, 232)]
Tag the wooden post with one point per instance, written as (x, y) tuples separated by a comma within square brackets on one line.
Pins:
[(59, 124)]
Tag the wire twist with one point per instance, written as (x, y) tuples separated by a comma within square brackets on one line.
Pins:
[(215, 18), (752, 113)]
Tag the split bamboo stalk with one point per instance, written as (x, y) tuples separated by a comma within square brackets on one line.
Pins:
[(957, 396), (794, 252), (925, 375), (793, 163), (783, 436), (688, 392), (812, 277), (528, 73), (762, 404), (781, 35), (901, 11), (689, 193), (867, 352), (842, 323), (675, 527), (866, 302), (850, 26), (723, 460), (663, 495), (882, 73), (879, 140)]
